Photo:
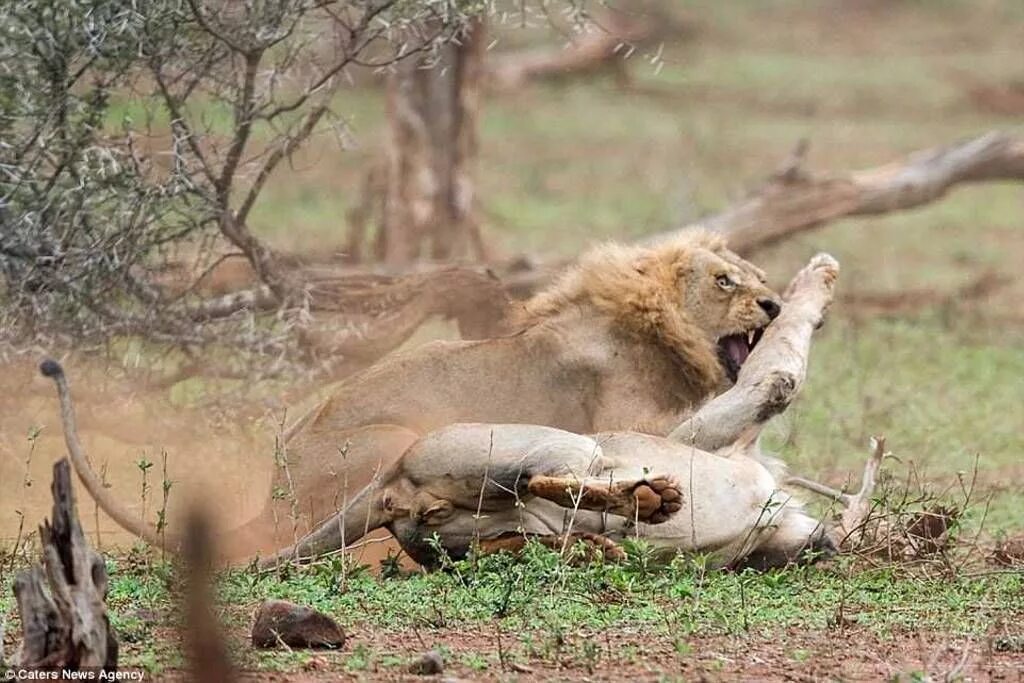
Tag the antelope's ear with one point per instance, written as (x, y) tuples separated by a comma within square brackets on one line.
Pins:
[(437, 512)]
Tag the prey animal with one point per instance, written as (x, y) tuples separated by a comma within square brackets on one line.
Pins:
[(703, 488), (494, 486)]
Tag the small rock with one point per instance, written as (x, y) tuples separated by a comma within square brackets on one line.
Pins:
[(280, 621), (316, 664), (1010, 552), (427, 664)]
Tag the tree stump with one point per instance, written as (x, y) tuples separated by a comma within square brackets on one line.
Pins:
[(62, 600), (424, 190)]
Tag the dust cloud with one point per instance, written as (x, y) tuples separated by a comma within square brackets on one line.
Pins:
[(224, 461)]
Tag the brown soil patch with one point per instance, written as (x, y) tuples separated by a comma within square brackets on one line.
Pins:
[(851, 654), (224, 459)]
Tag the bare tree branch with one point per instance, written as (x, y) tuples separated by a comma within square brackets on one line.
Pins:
[(797, 200)]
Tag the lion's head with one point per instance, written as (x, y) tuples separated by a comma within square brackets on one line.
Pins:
[(690, 294)]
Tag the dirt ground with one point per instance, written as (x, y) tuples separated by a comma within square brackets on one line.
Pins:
[(788, 655)]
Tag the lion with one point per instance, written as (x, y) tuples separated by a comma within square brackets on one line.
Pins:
[(630, 338), (489, 487), (492, 487)]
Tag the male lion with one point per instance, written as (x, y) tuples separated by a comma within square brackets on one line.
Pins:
[(630, 338), (496, 485)]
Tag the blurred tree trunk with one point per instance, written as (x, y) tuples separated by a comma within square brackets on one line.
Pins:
[(429, 206)]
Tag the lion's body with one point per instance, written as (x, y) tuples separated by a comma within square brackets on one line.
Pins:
[(540, 376)]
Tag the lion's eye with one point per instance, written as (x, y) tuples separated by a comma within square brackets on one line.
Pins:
[(725, 282)]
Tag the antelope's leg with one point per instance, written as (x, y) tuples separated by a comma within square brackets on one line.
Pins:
[(773, 374), (602, 544), (820, 489), (856, 506), (651, 500), (851, 524)]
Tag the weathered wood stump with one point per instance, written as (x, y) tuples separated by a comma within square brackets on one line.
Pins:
[(64, 620)]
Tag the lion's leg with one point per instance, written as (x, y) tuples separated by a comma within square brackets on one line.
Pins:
[(597, 543), (651, 499)]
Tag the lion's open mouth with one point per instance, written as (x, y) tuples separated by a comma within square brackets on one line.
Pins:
[(733, 350)]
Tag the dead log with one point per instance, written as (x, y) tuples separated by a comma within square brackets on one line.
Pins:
[(360, 317), (910, 301), (795, 200), (371, 321), (62, 601)]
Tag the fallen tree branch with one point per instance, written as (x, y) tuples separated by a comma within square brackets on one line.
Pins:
[(375, 314), (795, 200), (913, 300), (773, 374), (452, 291), (360, 317)]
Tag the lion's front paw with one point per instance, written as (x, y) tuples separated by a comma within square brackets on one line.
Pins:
[(656, 499)]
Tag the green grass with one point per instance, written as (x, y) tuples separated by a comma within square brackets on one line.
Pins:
[(546, 609)]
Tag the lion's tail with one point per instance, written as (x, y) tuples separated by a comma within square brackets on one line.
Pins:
[(92, 482)]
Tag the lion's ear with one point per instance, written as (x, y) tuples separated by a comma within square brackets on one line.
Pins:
[(642, 264)]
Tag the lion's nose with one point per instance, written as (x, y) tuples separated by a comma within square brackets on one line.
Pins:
[(771, 307)]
